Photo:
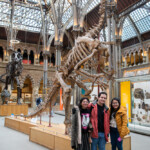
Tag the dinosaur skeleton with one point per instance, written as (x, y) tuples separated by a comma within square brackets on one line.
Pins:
[(85, 51), (13, 71)]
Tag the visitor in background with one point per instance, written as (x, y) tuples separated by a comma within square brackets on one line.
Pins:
[(118, 124), (81, 127), (38, 101), (100, 122)]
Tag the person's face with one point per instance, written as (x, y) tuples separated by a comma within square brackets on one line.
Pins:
[(115, 104), (84, 103), (102, 99)]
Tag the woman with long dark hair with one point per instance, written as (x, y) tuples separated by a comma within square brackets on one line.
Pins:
[(81, 127), (118, 124)]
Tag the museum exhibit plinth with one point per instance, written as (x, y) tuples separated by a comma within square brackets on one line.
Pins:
[(51, 137), (7, 110), (19, 125)]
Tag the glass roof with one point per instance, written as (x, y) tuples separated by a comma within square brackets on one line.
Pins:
[(27, 16), (141, 18)]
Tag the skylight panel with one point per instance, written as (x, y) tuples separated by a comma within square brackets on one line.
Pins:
[(141, 18), (93, 5), (128, 31)]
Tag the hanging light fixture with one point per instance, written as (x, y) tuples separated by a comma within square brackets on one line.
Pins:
[(14, 41)]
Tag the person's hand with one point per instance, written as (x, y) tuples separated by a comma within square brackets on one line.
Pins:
[(119, 139)]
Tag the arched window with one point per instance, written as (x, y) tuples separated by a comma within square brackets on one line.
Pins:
[(1, 54), (25, 57), (53, 59), (128, 60), (41, 58), (136, 58), (141, 56), (132, 59), (31, 57), (27, 92), (19, 50)]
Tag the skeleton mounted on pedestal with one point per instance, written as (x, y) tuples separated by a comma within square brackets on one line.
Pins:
[(86, 49), (13, 71)]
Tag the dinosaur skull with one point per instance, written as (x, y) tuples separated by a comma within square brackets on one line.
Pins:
[(16, 57)]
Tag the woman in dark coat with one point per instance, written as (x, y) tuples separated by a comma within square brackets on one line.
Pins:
[(81, 126)]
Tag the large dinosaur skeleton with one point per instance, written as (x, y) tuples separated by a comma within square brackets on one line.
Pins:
[(13, 71), (85, 51)]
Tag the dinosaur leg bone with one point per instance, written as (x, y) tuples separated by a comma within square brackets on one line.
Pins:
[(18, 90), (82, 85), (67, 122), (59, 77)]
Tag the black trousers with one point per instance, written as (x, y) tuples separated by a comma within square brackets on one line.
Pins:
[(85, 142)]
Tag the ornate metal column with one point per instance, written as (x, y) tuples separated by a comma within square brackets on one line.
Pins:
[(58, 56)]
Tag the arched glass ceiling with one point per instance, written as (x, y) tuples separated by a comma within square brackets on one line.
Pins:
[(28, 18), (141, 19)]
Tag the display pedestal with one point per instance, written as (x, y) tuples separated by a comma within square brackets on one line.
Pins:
[(50, 137), (58, 141), (19, 125), (7, 110)]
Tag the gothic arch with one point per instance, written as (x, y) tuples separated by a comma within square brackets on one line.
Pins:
[(39, 81), (24, 78)]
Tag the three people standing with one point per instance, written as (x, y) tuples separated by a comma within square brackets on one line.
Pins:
[(97, 120)]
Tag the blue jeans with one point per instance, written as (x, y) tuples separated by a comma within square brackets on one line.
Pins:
[(114, 134), (100, 142)]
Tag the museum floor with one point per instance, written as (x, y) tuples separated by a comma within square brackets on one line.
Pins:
[(14, 140)]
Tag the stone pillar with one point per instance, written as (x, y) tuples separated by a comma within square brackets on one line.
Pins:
[(110, 54), (45, 69), (35, 92), (147, 56), (134, 54), (119, 47), (125, 63), (130, 60)]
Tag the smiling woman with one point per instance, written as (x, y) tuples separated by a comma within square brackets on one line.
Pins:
[(81, 126)]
